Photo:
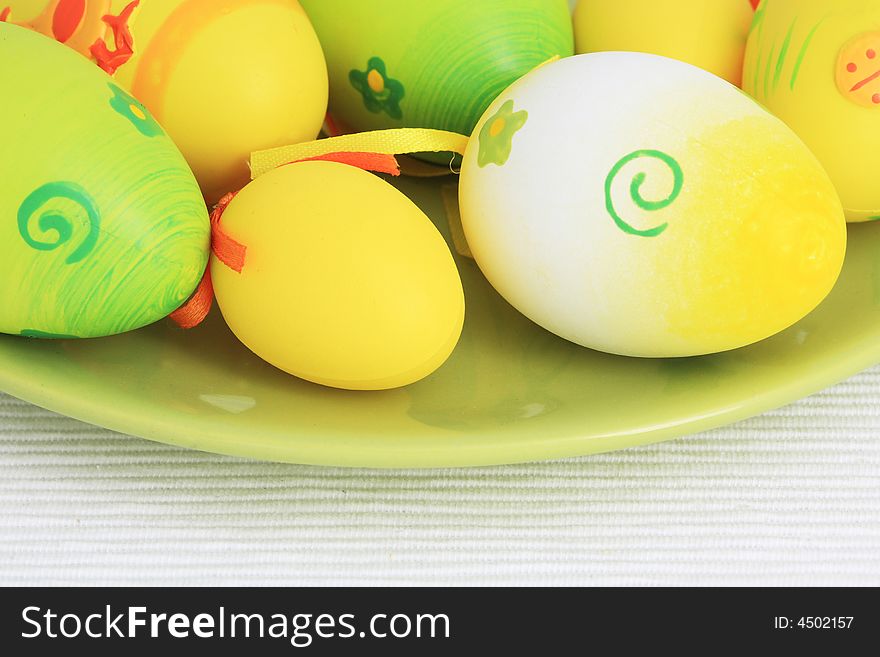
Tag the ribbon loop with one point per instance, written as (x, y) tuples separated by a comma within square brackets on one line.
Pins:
[(383, 142)]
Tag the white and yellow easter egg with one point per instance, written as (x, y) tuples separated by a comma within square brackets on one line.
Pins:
[(641, 206), (816, 65), (345, 282), (224, 78)]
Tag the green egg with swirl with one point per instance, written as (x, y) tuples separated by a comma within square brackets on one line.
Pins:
[(103, 228), (437, 64)]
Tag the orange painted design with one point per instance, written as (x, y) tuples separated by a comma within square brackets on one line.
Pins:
[(123, 41), (228, 251), (4, 14), (76, 23), (868, 80), (194, 311), (858, 70), (377, 162), (85, 26), (67, 18)]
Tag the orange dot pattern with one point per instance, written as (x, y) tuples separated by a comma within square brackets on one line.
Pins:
[(858, 70)]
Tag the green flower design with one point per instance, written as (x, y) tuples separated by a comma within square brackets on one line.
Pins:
[(496, 136), (129, 107), (381, 93)]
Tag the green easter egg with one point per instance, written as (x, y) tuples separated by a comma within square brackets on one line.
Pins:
[(437, 64), (103, 228)]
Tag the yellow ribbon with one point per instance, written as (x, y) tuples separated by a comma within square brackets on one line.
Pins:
[(387, 142)]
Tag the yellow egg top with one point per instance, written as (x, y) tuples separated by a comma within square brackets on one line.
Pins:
[(710, 34), (816, 65)]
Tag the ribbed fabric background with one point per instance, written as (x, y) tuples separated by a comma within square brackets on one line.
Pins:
[(789, 498)]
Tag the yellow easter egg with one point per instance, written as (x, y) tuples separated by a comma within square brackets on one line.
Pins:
[(223, 77), (675, 218), (345, 281), (816, 65), (711, 35)]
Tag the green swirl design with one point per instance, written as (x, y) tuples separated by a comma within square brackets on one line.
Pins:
[(58, 221), (635, 191)]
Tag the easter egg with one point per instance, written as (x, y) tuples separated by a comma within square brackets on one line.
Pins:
[(223, 77), (345, 281), (438, 64), (711, 35), (674, 218), (816, 65), (104, 229)]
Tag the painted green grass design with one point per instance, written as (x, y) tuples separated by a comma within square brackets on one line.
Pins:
[(803, 53), (757, 70), (773, 76), (758, 24), (767, 71), (783, 53), (758, 20)]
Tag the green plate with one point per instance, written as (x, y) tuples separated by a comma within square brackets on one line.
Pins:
[(511, 392)]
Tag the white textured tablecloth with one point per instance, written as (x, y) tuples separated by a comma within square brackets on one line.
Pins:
[(789, 498)]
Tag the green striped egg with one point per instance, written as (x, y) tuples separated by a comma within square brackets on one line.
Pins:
[(102, 225), (437, 64)]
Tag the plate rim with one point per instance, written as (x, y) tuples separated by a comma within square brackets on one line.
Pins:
[(304, 451)]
